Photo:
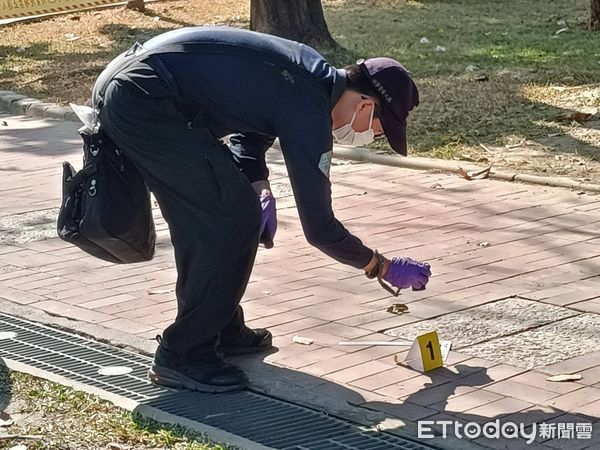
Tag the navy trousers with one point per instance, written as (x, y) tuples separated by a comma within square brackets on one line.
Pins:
[(212, 210)]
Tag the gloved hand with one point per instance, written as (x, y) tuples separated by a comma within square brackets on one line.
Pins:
[(268, 223), (406, 272)]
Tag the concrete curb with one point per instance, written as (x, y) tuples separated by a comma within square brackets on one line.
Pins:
[(14, 103), (361, 154)]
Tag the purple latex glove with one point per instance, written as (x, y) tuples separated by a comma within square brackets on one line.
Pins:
[(405, 272), (268, 223)]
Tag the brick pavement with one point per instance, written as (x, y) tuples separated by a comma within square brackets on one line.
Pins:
[(542, 245)]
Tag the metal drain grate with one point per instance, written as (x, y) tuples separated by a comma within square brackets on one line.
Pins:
[(259, 418)]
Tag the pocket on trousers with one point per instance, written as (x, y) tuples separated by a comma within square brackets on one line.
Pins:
[(214, 175)]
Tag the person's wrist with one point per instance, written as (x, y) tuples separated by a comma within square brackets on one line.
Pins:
[(260, 186), (371, 265), (386, 266)]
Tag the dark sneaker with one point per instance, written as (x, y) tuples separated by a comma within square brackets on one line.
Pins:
[(205, 373), (246, 342)]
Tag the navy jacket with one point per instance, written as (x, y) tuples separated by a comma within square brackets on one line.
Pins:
[(258, 87)]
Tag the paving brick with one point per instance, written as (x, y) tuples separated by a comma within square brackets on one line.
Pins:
[(107, 301), (359, 371), (576, 399), (461, 400), (18, 296), (127, 326), (74, 312), (498, 408), (521, 391), (335, 364), (575, 365), (385, 378), (410, 386), (538, 380)]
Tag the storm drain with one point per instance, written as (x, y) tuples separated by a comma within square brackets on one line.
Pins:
[(255, 417)]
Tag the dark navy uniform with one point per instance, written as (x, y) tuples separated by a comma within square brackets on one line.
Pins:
[(168, 103)]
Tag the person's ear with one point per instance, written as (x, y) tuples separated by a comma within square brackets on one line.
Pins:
[(366, 103)]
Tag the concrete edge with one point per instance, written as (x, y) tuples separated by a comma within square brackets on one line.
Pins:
[(13, 103), (216, 435)]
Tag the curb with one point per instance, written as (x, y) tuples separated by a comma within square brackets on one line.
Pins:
[(14, 103), (419, 163)]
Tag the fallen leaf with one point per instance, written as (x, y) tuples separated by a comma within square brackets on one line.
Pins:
[(5, 419), (302, 340), (160, 291), (557, 378), (397, 308), (576, 116), (475, 175), (396, 360)]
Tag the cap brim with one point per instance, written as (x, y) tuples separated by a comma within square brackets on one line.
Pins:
[(395, 131)]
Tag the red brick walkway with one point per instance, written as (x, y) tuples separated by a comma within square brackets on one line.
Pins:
[(543, 245)]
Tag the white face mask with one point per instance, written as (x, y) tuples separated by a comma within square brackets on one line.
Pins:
[(348, 136)]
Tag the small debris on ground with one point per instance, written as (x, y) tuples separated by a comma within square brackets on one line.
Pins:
[(575, 117), (567, 377), (5, 419), (440, 49), (424, 40), (4, 123), (483, 244), (437, 186), (302, 340), (397, 308), (160, 291), (475, 175)]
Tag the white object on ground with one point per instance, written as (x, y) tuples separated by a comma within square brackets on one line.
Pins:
[(302, 340)]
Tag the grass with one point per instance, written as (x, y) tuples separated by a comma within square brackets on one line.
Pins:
[(70, 419), (513, 42), (533, 75)]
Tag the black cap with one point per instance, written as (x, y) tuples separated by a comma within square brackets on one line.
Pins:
[(398, 94)]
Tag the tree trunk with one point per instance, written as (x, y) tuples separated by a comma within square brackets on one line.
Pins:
[(299, 20), (594, 15), (136, 4)]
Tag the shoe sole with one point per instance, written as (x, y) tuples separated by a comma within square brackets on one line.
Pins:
[(164, 376)]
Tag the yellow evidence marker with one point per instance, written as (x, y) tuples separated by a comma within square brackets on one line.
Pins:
[(425, 353)]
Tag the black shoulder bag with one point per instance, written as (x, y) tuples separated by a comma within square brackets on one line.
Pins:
[(106, 209)]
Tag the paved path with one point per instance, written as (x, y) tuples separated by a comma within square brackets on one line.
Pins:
[(533, 251)]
